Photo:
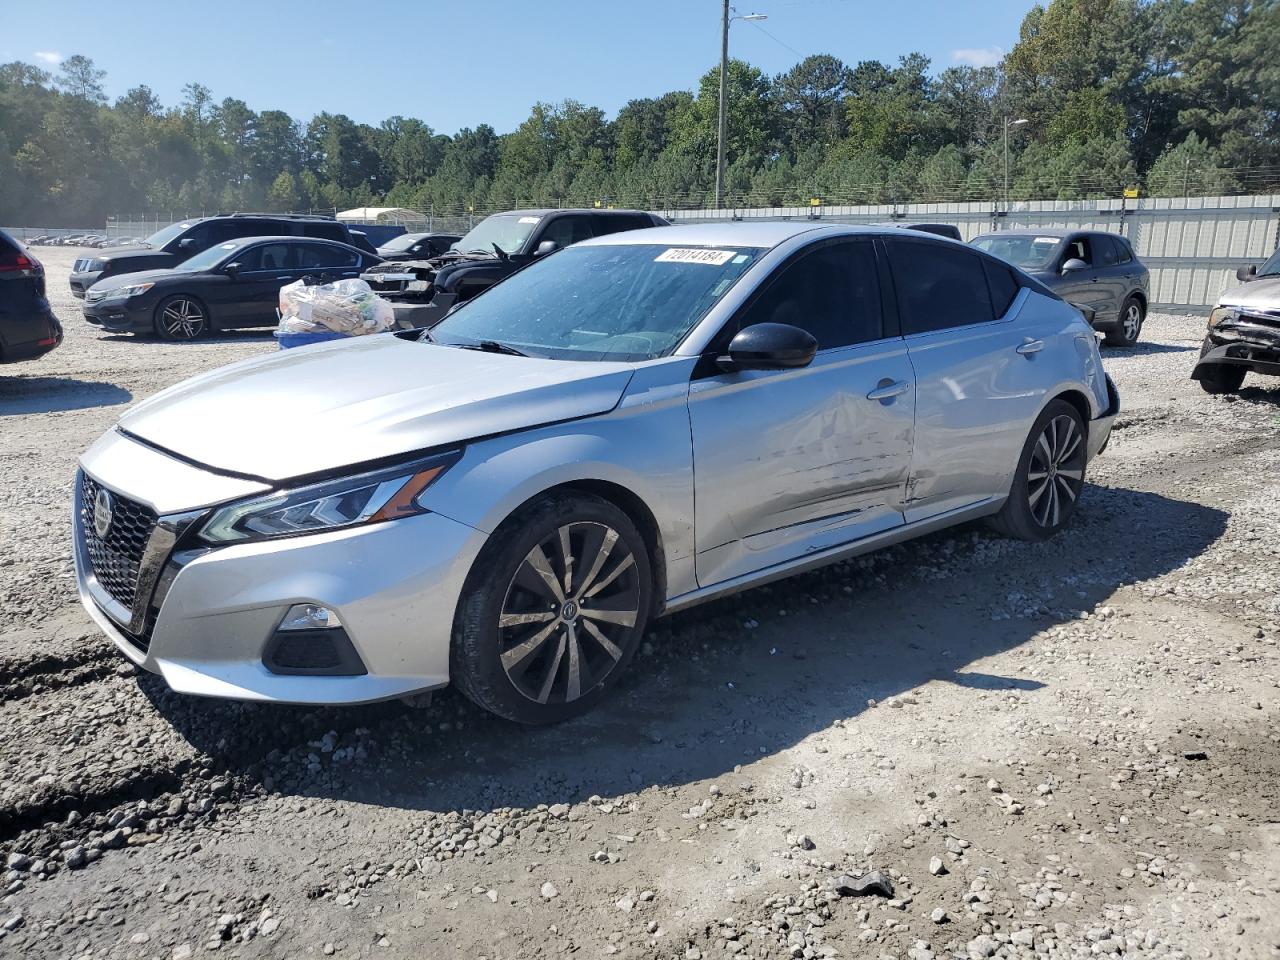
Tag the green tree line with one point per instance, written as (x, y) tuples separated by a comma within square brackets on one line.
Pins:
[(1172, 96)]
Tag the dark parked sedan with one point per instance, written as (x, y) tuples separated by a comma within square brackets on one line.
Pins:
[(235, 284), (417, 246), (27, 325), (1098, 272)]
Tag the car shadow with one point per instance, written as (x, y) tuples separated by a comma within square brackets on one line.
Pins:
[(23, 395), (228, 336), (728, 682), (1256, 394), (1145, 348)]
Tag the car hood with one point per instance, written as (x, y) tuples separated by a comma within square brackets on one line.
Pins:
[(320, 408), (139, 255), (1261, 294), (114, 281)]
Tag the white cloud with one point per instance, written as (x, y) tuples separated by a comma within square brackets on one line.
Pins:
[(48, 56), (978, 56)]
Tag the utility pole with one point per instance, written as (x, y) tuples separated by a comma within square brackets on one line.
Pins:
[(1008, 122), (722, 134), (724, 111)]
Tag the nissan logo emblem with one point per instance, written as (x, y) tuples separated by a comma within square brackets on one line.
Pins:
[(102, 513)]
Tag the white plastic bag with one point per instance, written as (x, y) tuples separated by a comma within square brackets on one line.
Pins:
[(348, 306)]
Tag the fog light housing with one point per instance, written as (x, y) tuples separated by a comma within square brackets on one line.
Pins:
[(311, 641)]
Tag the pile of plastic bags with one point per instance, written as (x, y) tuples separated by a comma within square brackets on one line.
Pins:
[(346, 308)]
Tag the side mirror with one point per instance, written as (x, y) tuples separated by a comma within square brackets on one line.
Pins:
[(1245, 274), (769, 346), (232, 270), (545, 247), (1074, 265), (188, 244)]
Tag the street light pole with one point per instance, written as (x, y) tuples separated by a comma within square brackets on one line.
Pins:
[(1008, 122), (722, 132)]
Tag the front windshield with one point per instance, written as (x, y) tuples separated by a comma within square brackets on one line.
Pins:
[(1272, 267), (1022, 250), (207, 258), (508, 230), (402, 242), (614, 302), (161, 237)]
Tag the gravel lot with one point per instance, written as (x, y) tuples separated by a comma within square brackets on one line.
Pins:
[(1058, 750)]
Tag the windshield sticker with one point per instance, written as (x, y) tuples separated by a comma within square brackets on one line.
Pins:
[(528, 220), (716, 258), (1052, 240), (740, 258)]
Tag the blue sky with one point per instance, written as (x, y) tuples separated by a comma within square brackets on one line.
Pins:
[(456, 64)]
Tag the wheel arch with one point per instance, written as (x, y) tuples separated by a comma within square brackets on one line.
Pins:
[(1078, 400), (636, 509)]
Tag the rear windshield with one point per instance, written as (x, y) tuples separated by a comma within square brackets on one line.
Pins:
[(1022, 250)]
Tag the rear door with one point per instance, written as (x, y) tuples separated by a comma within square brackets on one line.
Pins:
[(788, 462), (1112, 274), (978, 382)]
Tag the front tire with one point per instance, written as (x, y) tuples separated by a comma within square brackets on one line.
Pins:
[(1222, 378), (1049, 477), (553, 610), (181, 318), (1132, 315)]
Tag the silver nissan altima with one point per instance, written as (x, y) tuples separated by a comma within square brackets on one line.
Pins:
[(638, 423)]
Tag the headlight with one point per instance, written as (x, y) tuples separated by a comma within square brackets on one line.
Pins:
[(120, 293), (332, 505), (1221, 315)]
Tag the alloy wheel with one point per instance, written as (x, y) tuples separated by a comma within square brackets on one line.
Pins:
[(1055, 473), (1132, 321), (567, 613), (182, 319)]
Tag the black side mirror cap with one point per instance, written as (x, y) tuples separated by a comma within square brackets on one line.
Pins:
[(1245, 274), (769, 346), (232, 270)]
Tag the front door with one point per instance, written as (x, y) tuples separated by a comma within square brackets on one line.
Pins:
[(788, 462)]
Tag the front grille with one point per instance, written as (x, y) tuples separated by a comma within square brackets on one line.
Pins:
[(1261, 319), (116, 558)]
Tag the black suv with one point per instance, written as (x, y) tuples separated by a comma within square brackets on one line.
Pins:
[(27, 325), (423, 291), (169, 247)]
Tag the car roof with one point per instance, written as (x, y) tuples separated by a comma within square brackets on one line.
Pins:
[(1059, 232), (543, 211), (246, 241), (753, 233)]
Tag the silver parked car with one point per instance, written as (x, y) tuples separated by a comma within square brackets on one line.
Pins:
[(638, 423)]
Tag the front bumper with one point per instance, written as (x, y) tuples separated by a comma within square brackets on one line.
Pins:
[(121, 316), (83, 280), (1100, 427), (212, 613), (1254, 347)]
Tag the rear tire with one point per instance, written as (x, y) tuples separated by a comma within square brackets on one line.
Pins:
[(530, 650), (1049, 477), (1132, 315), (1222, 378)]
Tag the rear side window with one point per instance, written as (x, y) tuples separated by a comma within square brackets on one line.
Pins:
[(833, 292), (618, 222), (1123, 249), (325, 230), (1002, 284), (321, 255), (939, 286), (1108, 255)]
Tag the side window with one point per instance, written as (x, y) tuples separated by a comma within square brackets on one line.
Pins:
[(200, 234), (618, 222), (567, 230), (1079, 248), (325, 230), (833, 292), (220, 231), (1123, 249), (939, 286), (1003, 286), (312, 255), (268, 256), (1105, 248)]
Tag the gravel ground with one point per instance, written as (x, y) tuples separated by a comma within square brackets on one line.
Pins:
[(1058, 750)]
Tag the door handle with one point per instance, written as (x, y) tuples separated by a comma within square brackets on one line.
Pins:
[(1030, 346), (888, 389)]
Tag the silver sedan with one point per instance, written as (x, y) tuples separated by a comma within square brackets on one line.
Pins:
[(634, 425)]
